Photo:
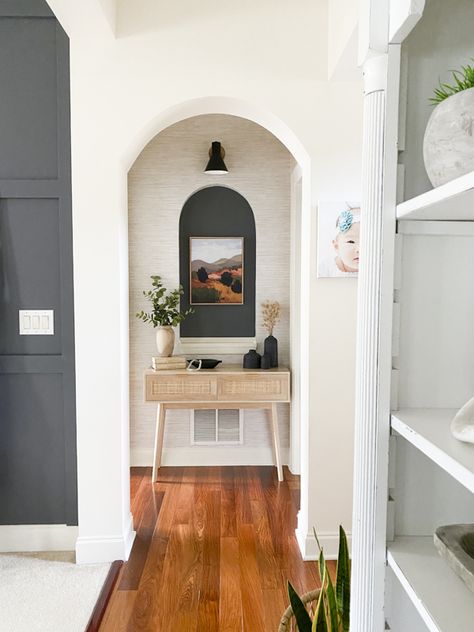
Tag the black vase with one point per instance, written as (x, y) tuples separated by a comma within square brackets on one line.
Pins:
[(270, 347), (266, 361), (252, 360)]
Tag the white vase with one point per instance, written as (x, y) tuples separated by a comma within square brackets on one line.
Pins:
[(448, 145), (165, 341)]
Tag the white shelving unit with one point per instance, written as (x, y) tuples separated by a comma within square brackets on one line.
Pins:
[(431, 478), (431, 585), (442, 600), (415, 331), (428, 430), (453, 201)]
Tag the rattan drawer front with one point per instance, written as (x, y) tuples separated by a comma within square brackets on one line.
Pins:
[(254, 388), (185, 388)]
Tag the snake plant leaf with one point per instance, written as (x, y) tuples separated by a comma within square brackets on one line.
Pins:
[(343, 581), (331, 603), (320, 622), (317, 539), (322, 568), (321, 561), (301, 614)]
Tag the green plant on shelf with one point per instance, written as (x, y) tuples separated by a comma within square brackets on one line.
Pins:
[(165, 310), (462, 80), (332, 610)]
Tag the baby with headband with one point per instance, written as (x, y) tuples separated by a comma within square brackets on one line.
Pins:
[(346, 241)]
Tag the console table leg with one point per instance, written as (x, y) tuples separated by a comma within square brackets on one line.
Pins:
[(159, 433), (276, 440)]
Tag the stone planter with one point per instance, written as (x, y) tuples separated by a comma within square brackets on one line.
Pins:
[(455, 543), (165, 341), (448, 145)]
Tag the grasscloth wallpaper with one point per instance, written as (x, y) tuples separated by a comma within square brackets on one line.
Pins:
[(166, 173)]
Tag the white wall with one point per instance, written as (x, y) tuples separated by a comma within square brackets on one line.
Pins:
[(109, 8), (343, 18), (167, 172), (266, 61)]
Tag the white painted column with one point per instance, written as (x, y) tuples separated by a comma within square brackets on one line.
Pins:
[(372, 414)]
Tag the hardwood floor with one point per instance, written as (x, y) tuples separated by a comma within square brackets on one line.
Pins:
[(214, 549)]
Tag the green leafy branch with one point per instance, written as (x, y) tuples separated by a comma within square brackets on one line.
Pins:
[(165, 309), (463, 80)]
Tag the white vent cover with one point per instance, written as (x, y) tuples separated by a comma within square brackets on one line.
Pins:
[(210, 427)]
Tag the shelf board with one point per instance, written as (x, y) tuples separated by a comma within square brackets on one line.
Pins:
[(453, 201), (428, 429), (442, 599)]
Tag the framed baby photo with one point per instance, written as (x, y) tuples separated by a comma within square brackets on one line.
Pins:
[(338, 239), (216, 271)]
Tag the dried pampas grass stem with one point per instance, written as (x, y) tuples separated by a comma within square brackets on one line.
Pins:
[(271, 313)]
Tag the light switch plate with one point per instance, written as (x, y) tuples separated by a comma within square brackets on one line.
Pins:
[(36, 322)]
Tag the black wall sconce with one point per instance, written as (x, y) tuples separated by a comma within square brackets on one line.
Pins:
[(216, 164)]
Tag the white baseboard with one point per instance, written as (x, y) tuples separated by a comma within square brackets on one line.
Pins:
[(329, 542), (95, 550), (208, 455), (37, 537)]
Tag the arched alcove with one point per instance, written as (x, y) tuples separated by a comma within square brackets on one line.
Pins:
[(170, 200), (93, 530), (218, 212)]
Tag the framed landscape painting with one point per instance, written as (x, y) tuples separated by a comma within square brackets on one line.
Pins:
[(216, 270)]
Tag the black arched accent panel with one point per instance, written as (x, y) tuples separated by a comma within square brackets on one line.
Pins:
[(218, 212)]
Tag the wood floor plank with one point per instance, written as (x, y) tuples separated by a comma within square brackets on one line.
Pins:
[(190, 475), (136, 478), (267, 561), (119, 611), (254, 489), (281, 518), (212, 533), (210, 477), (151, 507), (214, 549), (184, 505), (208, 608), (230, 605), (139, 494), (275, 603), (301, 574), (147, 605), (208, 611), (243, 512), (182, 576), (228, 512), (250, 586)]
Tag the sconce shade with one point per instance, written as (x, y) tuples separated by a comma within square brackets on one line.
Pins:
[(216, 164)]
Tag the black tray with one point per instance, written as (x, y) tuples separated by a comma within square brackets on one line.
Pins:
[(206, 363)]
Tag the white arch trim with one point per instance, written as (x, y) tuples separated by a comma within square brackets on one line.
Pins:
[(299, 458), (217, 105), (236, 107)]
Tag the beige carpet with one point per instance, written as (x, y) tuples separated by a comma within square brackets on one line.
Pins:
[(47, 592)]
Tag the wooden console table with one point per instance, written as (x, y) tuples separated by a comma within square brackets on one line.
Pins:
[(219, 388)]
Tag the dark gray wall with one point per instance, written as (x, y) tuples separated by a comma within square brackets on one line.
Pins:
[(37, 398), (218, 212)]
